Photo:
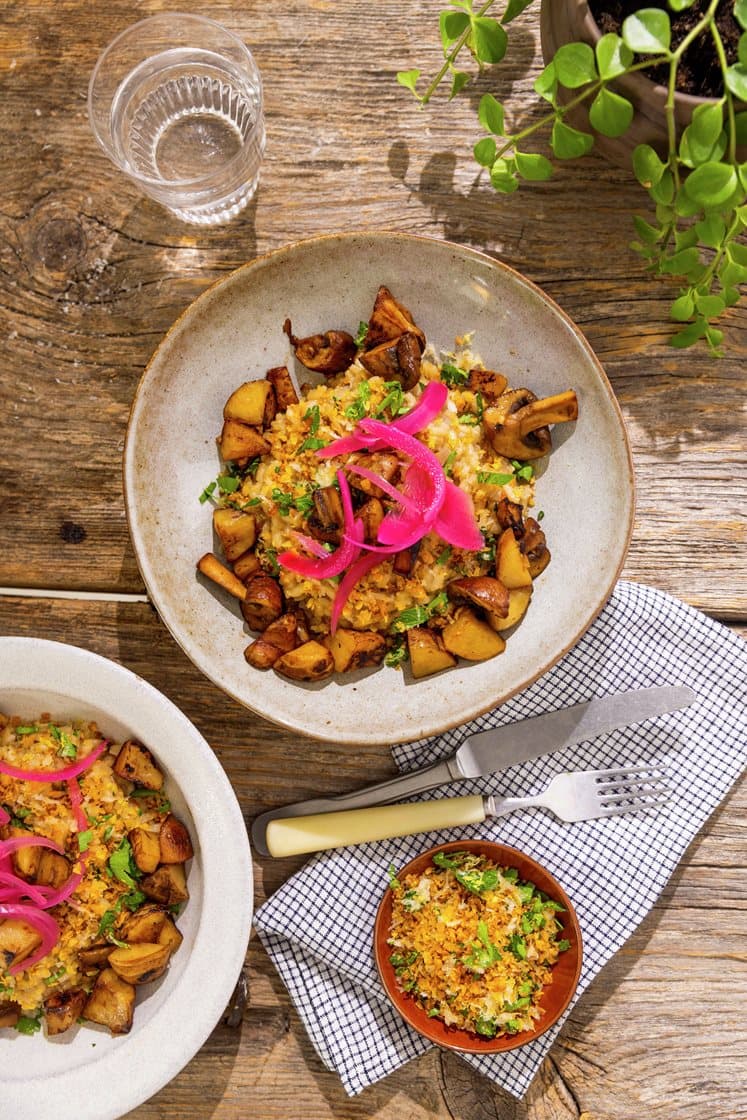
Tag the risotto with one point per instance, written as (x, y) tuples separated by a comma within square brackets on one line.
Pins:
[(383, 514), (473, 944), (91, 875)]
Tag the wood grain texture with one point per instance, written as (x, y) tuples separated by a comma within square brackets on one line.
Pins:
[(91, 277)]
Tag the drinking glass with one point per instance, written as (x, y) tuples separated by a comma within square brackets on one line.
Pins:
[(175, 101)]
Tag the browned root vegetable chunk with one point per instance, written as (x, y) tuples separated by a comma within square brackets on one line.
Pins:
[(329, 352), (10, 1012), (139, 963), (282, 383), (534, 547), (390, 319), (402, 563), (471, 637), (176, 846), (487, 383), (26, 860), (135, 763), (511, 565), (518, 601), (239, 442), (428, 654), (308, 662), (252, 403), (355, 649), (263, 602), (279, 637), (62, 1009), (236, 530), (92, 958), (371, 513), (169, 936), (18, 940), (489, 594), (516, 425), (145, 924), (146, 850), (167, 885), (246, 566), (53, 869), (111, 1003), (398, 360), (211, 567), (326, 520)]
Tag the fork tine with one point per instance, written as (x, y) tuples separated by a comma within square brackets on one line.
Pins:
[(642, 807), (622, 789), (624, 801), (625, 773)]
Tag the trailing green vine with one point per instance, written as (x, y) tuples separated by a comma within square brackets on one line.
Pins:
[(698, 188)]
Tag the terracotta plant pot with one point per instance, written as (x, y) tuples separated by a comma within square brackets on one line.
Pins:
[(567, 21)]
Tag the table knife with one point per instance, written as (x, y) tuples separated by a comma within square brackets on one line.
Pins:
[(301, 827)]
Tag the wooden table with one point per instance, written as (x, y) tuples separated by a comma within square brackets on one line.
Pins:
[(92, 275)]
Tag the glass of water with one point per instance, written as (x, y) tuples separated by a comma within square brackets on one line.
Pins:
[(175, 101)]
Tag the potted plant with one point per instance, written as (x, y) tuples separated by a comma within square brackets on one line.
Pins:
[(686, 152)]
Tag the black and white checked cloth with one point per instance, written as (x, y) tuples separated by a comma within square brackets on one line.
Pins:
[(318, 927)]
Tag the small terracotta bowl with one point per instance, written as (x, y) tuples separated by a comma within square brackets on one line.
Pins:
[(556, 995)]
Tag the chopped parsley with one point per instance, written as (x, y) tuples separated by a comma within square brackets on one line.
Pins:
[(312, 443), (397, 654), (228, 483), (359, 408), (452, 375), (28, 1025), (132, 900), (122, 865), (163, 805), (524, 471), (494, 478), (449, 463), (483, 953), (443, 557), (55, 975), (26, 729), (84, 840), (394, 400), (360, 337), (477, 881), (394, 882), (416, 616)]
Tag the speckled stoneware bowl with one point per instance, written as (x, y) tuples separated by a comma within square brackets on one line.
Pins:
[(85, 1073), (233, 332), (556, 995)]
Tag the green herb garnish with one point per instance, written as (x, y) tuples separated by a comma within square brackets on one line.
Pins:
[(452, 375), (416, 616), (26, 729), (360, 337), (518, 946), (122, 864), (494, 478), (208, 492), (397, 654), (483, 953), (449, 463), (228, 483), (394, 882), (359, 408), (443, 557), (84, 840), (477, 881), (28, 1025)]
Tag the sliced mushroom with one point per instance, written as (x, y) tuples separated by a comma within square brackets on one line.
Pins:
[(111, 1003), (517, 424), (282, 383), (281, 636), (509, 515), (263, 602), (329, 352), (534, 547), (246, 566), (387, 464), (486, 592), (327, 519), (62, 1009), (397, 360), (489, 384), (137, 764), (390, 319), (371, 514)]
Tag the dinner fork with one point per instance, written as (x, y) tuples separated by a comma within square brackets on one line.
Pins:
[(580, 795)]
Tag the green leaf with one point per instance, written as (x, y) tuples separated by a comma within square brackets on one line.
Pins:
[(484, 151), (736, 80), (710, 306), (738, 252), (648, 233), (731, 296), (502, 177), (742, 49), (711, 184), (458, 83), (663, 191), (647, 166), (489, 40), (514, 8), (714, 339), (575, 65), (610, 113), (569, 143), (546, 84), (683, 308), (731, 274), (613, 56), (451, 25), (408, 79), (711, 230), (690, 335), (684, 206), (679, 264), (680, 5), (533, 166), (740, 13), (704, 131), (647, 31), (686, 238), (490, 115)]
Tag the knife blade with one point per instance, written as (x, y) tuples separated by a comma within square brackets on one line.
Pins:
[(485, 752)]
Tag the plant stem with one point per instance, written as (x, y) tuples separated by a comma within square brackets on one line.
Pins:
[(719, 45), (452, 55)]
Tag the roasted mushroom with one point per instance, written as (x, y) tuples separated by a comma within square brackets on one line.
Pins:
[(485, 592), (387, 464), (246, 566), (371, 514), (263, 602), (282, 383), (534, 547), (62, 1009), (390, 319), (517, 424), (327, 519), (396, 360), (509, 515), (487, 383), (281, 636), (330, 352)]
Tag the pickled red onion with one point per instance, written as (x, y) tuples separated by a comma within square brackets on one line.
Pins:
[(15, 843), (420, 455), (4, 817), (316, 548), (357, 570), (43, 923), (431, 401), (61, 775), (335, 562), (455, 522), (383, 484), (11, 884)]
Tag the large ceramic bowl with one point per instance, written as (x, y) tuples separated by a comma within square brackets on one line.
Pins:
[(86, 1074), (234, 332), (556, 995)]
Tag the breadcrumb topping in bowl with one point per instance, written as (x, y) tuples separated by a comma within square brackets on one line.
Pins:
[(478, 946)]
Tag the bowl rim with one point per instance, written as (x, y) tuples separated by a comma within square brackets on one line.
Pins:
[(102, 1087), (463, 1041), (364, 734)]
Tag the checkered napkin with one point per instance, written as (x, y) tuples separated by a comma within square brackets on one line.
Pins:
[(318, 927)]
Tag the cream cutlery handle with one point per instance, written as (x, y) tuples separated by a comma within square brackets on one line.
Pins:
[(292, 836)]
